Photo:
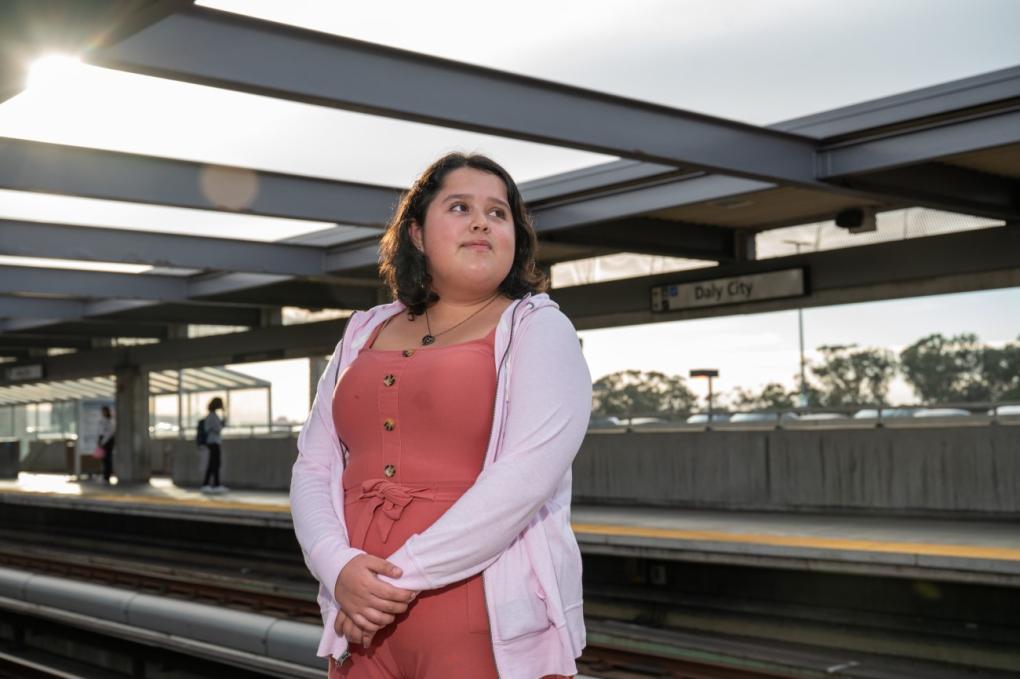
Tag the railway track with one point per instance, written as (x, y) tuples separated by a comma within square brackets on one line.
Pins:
[(635, 631), (255, 596)]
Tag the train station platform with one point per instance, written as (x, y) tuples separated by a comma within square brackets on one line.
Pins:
[(973, 551)]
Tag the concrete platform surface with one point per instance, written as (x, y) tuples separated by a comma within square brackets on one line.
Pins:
[(960, 550)]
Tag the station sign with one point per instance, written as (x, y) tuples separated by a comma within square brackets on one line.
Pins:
[(24, 372), (732, 290)]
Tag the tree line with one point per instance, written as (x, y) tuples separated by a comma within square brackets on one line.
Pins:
[(939, 368)]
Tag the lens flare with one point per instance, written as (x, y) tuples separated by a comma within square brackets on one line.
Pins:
[(54, 71)]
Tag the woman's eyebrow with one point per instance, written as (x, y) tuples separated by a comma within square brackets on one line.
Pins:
[(463, 196)]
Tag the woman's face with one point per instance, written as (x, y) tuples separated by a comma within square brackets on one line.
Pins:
[(468, 237)]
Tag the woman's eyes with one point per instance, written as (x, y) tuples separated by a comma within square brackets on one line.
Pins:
[(462, 207)]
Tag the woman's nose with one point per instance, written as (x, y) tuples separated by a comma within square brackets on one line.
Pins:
[(479, 224)]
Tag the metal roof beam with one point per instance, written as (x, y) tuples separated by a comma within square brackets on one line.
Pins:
[(901, 163), (13, 307), (17, 342), (953, 188), (97, 284), (203, 313), (666, 194), (924, 103), (34, 239), (285, 62), (971, 260), (109, 175), (655, 237), (89, 328), (260, 344), (911, 147)]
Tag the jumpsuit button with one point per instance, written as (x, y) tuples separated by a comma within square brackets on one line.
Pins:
[(389, 470), (389, 425), (408, 353), (389, 380)]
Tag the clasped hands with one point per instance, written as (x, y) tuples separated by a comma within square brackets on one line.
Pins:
[(367, 604)]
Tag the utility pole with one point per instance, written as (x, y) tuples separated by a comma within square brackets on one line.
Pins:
[(800, 328), (710, 374)]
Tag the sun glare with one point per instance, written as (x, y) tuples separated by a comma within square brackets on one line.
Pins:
[(54, 71)]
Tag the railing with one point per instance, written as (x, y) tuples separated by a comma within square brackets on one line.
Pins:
[(855, 417), (233, 431)]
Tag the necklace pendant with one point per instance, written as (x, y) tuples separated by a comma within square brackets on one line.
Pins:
[(427, 340)]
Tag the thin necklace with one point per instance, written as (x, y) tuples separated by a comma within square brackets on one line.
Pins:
[(429, 338)]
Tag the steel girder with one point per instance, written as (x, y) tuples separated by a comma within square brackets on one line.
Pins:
[(34, 239), (91, 173), (285, 62)]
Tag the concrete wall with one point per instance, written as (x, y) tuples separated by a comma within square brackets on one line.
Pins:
[(46, 457), (924, 471), (944, 470), (50, 457), (256, 463)]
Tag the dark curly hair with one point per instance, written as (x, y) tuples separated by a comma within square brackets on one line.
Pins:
[(402, 265)]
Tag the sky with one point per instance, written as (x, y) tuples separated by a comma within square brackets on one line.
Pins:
[(758, 62), (752, 350)]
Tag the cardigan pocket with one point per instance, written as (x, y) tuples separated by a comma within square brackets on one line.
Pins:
[(521, 605), (522, 616)]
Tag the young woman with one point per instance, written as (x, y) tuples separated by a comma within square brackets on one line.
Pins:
[(213, 438), (431, 495), (107, 440)]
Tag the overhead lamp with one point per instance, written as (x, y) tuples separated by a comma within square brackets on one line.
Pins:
[(857, 219)]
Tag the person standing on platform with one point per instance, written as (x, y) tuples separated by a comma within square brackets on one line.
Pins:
[(106, 441), (213, 438), (431, 494)]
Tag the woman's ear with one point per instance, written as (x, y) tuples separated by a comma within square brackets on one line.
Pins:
[(417, 235)]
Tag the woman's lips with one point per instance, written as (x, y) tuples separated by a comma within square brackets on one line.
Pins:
[(477, 245)]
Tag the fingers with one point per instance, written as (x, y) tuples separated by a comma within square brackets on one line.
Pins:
[(376, 617), (364, 623), (338, 624), (387, 591), (386, 606), (353, 633), (382, 567)]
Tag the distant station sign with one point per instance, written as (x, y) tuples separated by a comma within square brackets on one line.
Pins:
[(24, 372), (733, 290)]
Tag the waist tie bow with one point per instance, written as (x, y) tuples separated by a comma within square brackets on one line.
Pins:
[(391, 498)]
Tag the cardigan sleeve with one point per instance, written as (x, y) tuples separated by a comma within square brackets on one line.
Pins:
[(321, 533), (549, 392)]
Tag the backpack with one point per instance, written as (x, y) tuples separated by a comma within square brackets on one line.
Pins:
[(201, 438)]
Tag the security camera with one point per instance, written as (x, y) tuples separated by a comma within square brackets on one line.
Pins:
[(857, 219)]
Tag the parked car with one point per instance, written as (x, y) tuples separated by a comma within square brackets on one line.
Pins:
[(872, 413), (1011, 410), (762, 417), (941, 412), (603, 422), (702, 418), (820, 416), (646, 421)]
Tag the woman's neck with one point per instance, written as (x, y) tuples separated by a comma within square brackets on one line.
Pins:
[(458, 305)]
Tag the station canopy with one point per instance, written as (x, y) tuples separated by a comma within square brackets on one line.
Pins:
[(204, 166), (192, 380)]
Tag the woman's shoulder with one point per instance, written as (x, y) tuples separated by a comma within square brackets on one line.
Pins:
[(542, 311), (545, 324)]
